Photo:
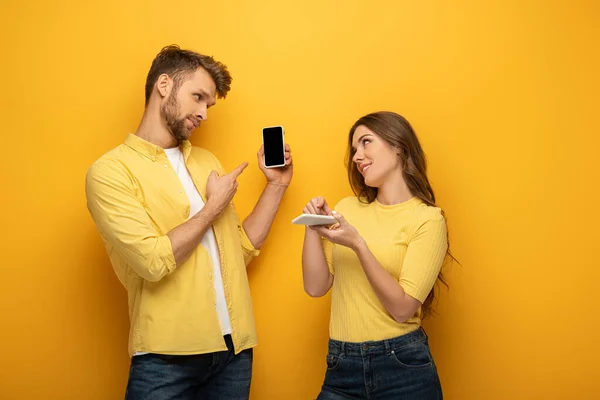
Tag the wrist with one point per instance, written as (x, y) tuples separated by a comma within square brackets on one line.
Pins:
[(278, 184), (276, 188), (210, 210), (310, 231), (359, 245)]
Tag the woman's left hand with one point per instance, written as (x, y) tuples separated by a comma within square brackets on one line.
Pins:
[(341, 233)]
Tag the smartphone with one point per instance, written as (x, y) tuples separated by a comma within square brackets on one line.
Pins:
[(314, 219), (274, 146)]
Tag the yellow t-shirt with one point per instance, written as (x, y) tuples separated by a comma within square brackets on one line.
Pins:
[(409, 240)]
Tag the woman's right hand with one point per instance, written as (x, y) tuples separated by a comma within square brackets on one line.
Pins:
[(318, 206)]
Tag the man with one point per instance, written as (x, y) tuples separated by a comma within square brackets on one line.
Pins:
[(163, 209)]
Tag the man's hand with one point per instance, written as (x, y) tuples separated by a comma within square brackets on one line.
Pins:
[(221, 189), (278, 176)]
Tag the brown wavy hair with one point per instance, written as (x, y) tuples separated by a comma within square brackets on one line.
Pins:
[(397, 131), (180, 64)]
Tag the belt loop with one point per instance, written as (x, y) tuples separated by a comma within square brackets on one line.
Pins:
[(343, 348), (388, 347)]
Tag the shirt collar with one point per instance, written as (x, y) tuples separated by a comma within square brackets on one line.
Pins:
[(150, 150)]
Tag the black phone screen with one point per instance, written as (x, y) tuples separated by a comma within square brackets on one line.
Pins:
[(274, 147)]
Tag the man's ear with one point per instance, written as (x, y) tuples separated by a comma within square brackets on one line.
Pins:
[(164, 84)]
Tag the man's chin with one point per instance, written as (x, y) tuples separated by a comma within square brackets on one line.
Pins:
[(182, 136)]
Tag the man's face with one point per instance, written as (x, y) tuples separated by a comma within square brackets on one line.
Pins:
[(186, 106)]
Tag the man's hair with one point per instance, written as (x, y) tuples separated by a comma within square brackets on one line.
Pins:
[(180, 64)]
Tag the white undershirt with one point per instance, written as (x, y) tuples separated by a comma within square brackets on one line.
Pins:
[(208, 240)]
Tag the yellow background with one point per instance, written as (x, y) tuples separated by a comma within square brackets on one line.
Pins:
[(503, 95)]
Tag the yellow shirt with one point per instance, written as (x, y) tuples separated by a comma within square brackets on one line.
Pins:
[(135, 198), (409, 240)]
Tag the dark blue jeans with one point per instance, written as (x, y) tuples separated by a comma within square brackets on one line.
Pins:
[(213, 376), (396, 369)]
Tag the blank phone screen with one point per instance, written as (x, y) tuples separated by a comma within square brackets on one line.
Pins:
[(274, 147)]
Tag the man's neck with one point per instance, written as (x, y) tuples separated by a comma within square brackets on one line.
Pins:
[(152, 129)]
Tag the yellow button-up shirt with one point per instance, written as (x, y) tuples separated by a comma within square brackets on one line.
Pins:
[(135, 198)]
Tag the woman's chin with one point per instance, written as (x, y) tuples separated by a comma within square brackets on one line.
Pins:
[(371, 183)]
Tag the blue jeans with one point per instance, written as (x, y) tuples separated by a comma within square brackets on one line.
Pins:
[(213, 376), (399, 368)]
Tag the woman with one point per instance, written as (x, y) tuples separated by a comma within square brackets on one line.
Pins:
[(381, 259)]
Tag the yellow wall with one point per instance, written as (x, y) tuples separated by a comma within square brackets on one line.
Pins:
[(502, 94)]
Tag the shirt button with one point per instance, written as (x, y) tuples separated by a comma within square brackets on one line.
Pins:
[(166, 165)]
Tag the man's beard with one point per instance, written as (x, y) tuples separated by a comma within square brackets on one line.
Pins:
[(177, 128)]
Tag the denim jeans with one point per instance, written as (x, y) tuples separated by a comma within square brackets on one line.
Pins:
[(213, 376), (399, 368)]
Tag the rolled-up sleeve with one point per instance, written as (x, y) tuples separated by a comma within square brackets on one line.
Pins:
[(247, 248), (123, 223)]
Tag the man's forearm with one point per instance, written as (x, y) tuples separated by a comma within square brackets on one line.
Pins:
[(187, 236), (258, 224)]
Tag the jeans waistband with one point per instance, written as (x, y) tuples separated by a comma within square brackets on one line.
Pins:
[(376, 347)]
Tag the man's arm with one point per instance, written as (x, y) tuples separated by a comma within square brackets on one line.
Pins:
[(219, 192), (258, 224), (123, 222)]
